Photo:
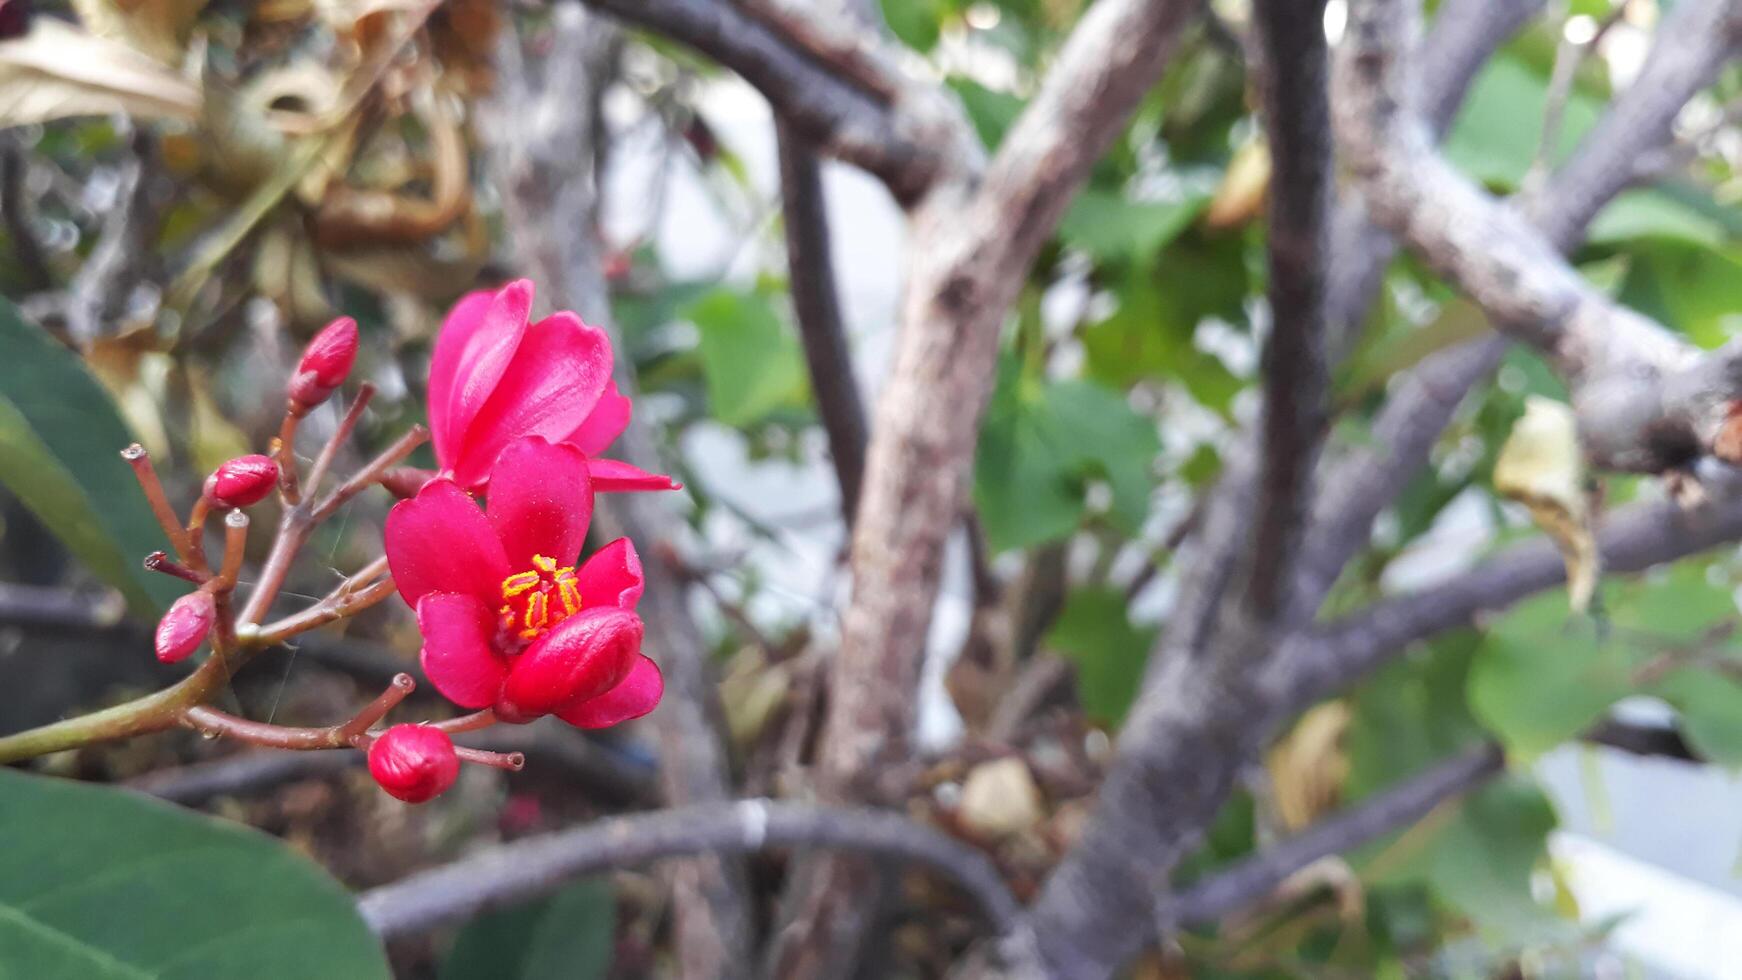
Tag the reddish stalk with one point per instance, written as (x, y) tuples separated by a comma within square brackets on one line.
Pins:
[(158, 561), (347, 425), (284, 454), (146, 474)]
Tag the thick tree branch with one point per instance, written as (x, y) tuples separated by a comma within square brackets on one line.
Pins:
[(543, 156), (1293, 70), (537, 865), (1395, 808), (1647, 400), (1364, 480), (818, 100), (817, 305)]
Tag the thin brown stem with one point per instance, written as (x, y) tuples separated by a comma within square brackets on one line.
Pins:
[(371, 473), (293, 530), (197, 519), (235, 543), (146, 474), (158, 561), (347, 425), (335, 606), (284, 453), (467, 723), (374, 711), (511, 761)]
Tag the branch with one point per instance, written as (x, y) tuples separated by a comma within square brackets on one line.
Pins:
[(1363, 481), (838, 117), (1293, 69), (818, 308), (542, 154), (1632, 539), (535, 866), (1647, 400), (1251, 880)]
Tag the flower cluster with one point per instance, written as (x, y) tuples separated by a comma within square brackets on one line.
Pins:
[(486, 548)]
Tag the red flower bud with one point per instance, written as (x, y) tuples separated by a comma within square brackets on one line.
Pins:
[(325, 364), (242, 482), (414, 763), (181, 630), (584, 656)]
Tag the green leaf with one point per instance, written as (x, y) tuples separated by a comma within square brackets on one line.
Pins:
[(1481, 860), (102, 884), (569, 936), (1411, 714), (1095, 633), (750, 361), (1690, 287), (916, 23), (60, 444), (1110, 226), (1496, 135), (1043, 443), (1654, 214), (990, 110), (1398, 350)]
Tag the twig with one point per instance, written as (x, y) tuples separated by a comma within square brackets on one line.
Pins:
[(818, 308), (537, 865), (1399, 806), (1293, 78)]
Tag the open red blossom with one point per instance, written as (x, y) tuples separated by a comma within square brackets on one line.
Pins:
[(508, 620), (495, 378)]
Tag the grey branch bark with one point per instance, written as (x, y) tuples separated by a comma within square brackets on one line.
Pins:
[(1293, 70), (1647, 401), (1249, 881), (973, 243), (543, 155), (535, 866), (817, 304), (1364, 480)]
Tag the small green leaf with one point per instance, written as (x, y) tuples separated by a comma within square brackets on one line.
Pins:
[(100, 883), (1496, 134), (60, 444), (990, 110), (1095, 633), (1543, 675), (750, 361), (569, 936), (1690, 287), (1654, 214), (1112, 227)]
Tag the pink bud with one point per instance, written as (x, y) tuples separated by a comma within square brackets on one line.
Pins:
[(582, 657), (242, 482), (325, 364), (414, 763), (181, 630)]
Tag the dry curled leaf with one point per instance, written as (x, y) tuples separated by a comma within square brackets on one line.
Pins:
[(1542, 467), (1000, 798), (1308, 766), (1240, 196), (58, 71)]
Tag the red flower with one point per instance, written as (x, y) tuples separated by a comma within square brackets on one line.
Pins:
[(414, 763), (508, 621), (494, 379), (326, 361), (184, 627)]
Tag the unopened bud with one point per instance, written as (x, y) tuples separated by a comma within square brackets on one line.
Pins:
[(181, 630), (414, 763), (242, 482), (325, 364)]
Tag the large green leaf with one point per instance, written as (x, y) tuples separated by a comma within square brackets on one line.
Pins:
[(569, 936), (1688, 286), (1094, 631), (750, 360), (1543, 676), (1111, 227), (101, 884), (1496, 134), (1041, 446), (60, 444)]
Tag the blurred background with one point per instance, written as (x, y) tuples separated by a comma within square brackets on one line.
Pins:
[(190, 190)]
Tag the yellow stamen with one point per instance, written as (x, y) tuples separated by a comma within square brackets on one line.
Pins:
[(515, 584), (543, 564)]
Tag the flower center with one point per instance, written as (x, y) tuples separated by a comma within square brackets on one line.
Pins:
[(535, 600)]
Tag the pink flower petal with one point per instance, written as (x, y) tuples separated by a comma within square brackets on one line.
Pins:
[(586, 655), (616, 476), (540, 501), (610, 417), (477, 343), (549, 389), (439, 541), (612, 577), (457, 654), (638, 694)]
